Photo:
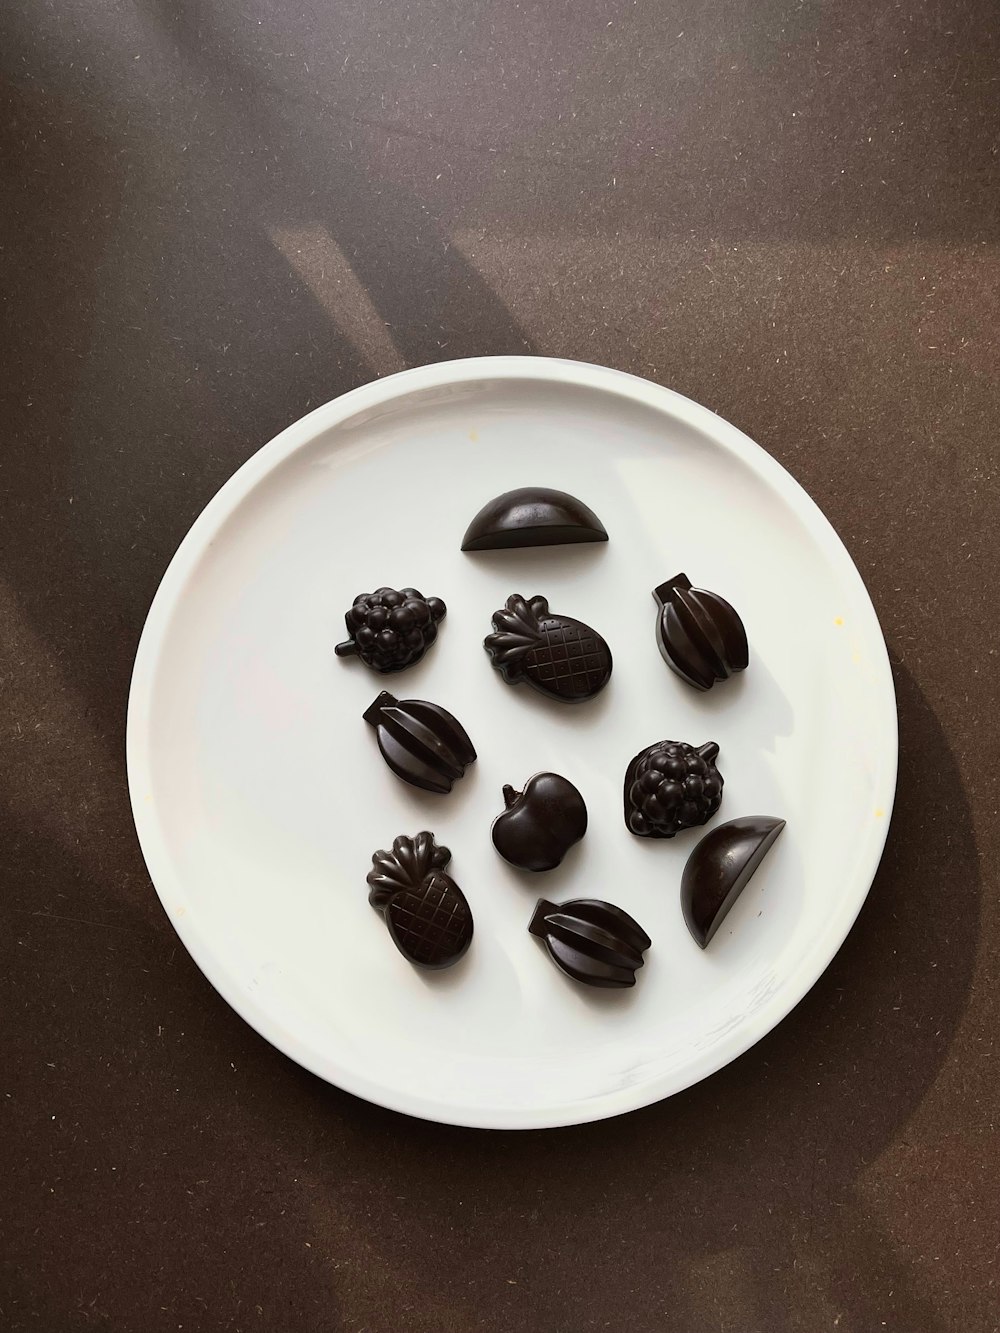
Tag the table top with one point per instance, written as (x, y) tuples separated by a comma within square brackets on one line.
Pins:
[(220, 216)]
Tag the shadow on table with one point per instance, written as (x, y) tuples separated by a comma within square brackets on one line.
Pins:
[(153, 355), (174, 336), (766, 1159)]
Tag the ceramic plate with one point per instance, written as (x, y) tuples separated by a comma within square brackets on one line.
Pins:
[(259, 794)]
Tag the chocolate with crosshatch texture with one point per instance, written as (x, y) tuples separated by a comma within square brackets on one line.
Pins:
[(561, 657), (428, 918)]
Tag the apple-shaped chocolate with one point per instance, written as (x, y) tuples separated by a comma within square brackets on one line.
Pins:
[(541, 823)]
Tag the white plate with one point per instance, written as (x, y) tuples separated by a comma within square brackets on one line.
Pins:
[(259, 794)]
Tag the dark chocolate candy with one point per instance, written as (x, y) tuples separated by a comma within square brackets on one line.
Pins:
[(541, 823), (591, 941), (421, 742), (391, 629), (428, 917), (671, 786), (719, 869), (532, 516), (561, 657), (699, 634)]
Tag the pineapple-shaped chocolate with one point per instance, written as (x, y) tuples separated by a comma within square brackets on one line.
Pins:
[(428, 917), (561, 657)]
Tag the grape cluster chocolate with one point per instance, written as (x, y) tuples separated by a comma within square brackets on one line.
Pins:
[(671, 786), (391, 629)]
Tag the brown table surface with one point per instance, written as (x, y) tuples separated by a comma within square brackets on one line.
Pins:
[(218, 215)]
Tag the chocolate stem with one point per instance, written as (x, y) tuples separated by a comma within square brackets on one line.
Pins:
[(709, 751), (537, 926), (665, 589), (373, 713), (346, 649), (510, 795)]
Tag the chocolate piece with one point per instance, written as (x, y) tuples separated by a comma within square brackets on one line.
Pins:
[(699, 634), (425, 910), (561, 657), (591, 941), (391, 629), (421, 742), (541, 823), (719, 869), (532, 516), (671, 786)]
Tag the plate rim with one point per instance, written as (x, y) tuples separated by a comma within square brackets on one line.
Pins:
[(237, 488)]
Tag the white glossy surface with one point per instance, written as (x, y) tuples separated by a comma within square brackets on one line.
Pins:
[(259, 794)]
